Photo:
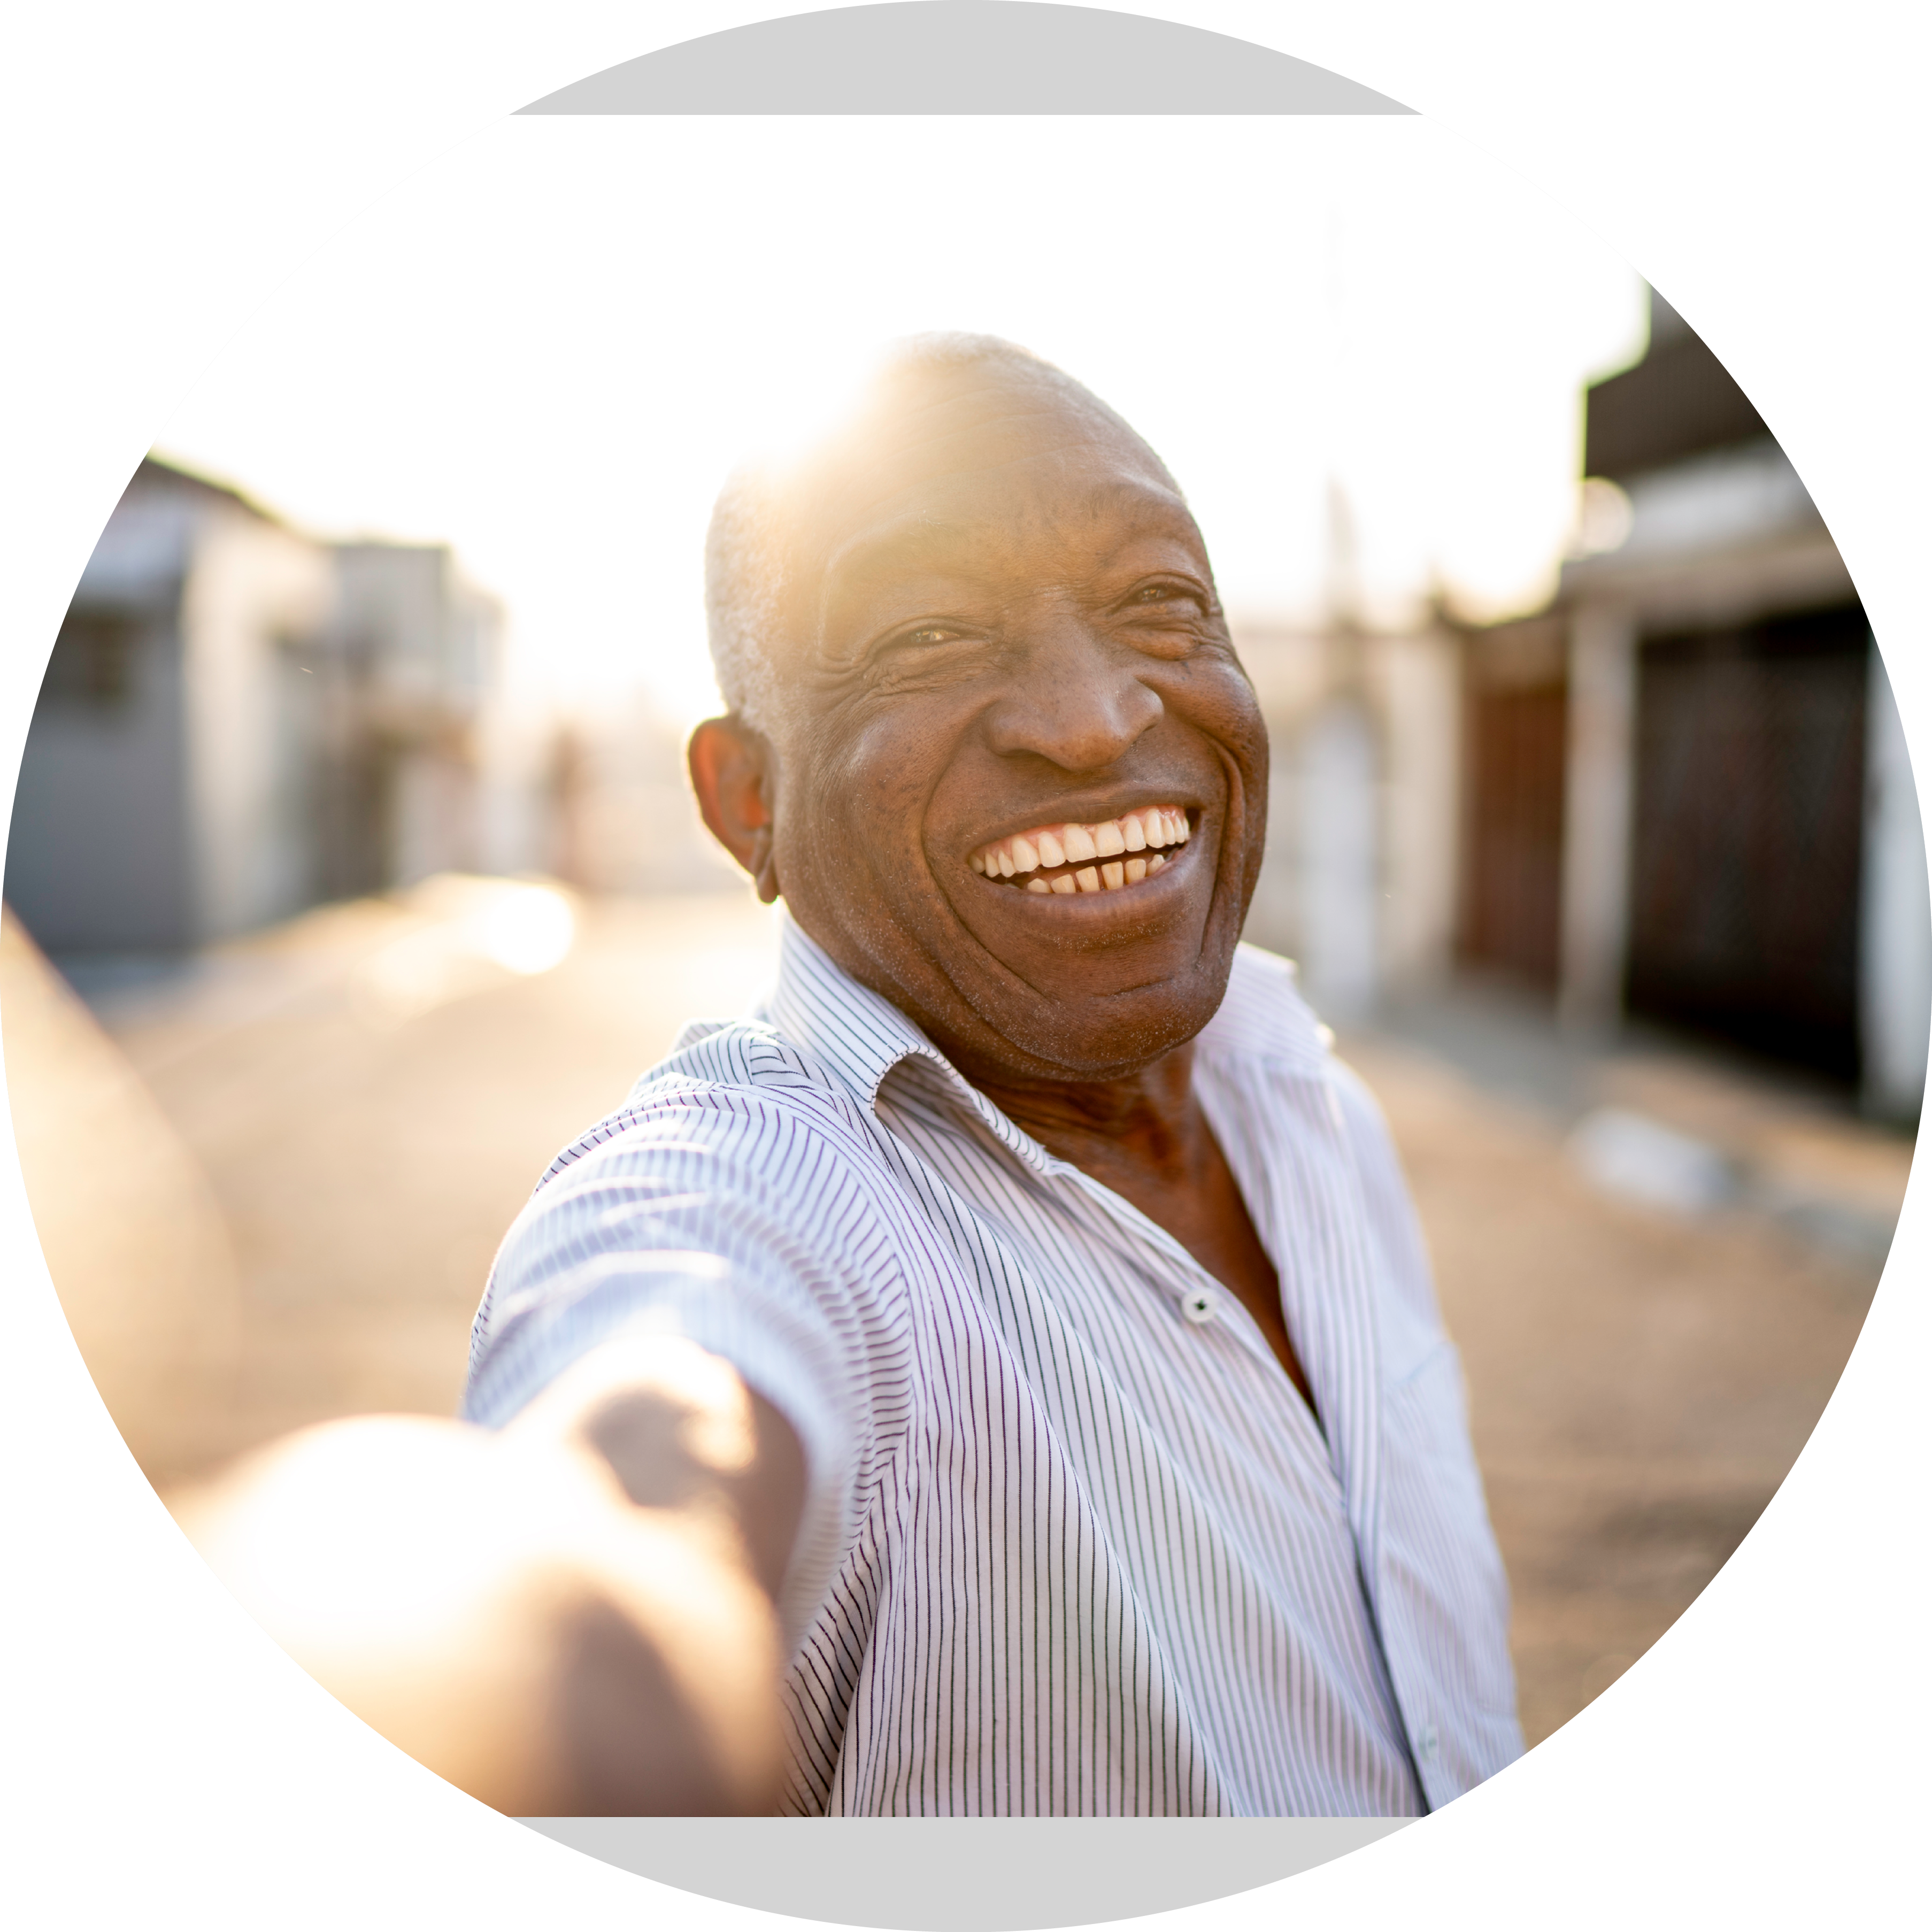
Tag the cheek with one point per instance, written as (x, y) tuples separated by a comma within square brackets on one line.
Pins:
[(870, 787), (891, 760), (1254, 744), (1220, 703)]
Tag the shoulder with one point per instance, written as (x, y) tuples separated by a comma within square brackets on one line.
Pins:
[(1266, 1026), (1264, 1017), (1272, 1031), (736, 1090), (1258, 974)]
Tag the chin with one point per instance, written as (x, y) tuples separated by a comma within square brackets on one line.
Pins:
[(1091, 1035)]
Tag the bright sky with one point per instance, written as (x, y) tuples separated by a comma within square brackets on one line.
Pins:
[(548, 349)]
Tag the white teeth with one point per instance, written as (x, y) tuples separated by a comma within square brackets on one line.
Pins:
[(1051, 847), (1155, 864)]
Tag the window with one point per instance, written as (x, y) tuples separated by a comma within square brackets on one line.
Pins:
[(92, 668)]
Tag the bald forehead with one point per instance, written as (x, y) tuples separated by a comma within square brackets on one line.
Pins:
[(930, 425), (936, 456)]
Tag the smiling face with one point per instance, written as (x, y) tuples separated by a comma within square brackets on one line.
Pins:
[(1017, 778)]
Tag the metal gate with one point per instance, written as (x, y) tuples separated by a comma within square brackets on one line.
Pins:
[(1748, 835), (1515, 709)]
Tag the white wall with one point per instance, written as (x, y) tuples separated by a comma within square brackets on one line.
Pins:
[(1340, 860), (250, 585), (1598, 801), (1895, 944), (1360, 878), (1287, 669), (1418, 682)]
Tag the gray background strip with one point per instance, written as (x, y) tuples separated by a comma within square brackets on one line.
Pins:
[(965, 57), (966, 1874)]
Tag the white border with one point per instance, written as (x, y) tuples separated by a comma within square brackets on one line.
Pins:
[(163, 163)]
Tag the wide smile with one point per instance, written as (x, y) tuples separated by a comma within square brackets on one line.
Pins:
[(1114, 856)]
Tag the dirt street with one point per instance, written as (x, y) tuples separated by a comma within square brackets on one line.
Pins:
[(305, 1149), (1638, 1384)]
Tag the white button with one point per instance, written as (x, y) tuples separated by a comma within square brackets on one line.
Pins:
[(1198, 1304), (1426, 1743)]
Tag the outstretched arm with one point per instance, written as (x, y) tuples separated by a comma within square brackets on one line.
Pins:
[(572, 1616)]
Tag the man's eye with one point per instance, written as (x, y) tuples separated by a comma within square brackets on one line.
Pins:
[(929, 633), (1162, 593)]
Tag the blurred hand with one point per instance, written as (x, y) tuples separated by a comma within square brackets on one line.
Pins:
[(570, 1617)]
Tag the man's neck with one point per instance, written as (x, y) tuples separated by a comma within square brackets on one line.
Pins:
[(1148, 1122)]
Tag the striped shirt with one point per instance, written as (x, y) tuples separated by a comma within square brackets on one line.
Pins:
[(1072, 1542)]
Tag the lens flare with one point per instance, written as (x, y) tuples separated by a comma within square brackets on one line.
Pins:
[(525, 929)]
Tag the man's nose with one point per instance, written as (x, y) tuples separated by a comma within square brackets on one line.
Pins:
[(1071, 700)]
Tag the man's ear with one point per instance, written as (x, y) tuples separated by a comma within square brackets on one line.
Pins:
[(734, 772)]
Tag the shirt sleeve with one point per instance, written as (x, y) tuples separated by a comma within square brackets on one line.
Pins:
[(730, 1222)]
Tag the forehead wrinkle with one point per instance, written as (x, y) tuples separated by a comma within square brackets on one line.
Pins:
[(919, 537), (912, 545)]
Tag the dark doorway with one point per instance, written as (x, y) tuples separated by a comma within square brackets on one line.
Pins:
[(1748, 838), (1517, 708)]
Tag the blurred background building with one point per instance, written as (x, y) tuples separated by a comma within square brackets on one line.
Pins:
[(238, 721), (621, 815), (1678, 793)]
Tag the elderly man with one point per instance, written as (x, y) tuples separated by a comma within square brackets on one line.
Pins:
[(1001, 1374)]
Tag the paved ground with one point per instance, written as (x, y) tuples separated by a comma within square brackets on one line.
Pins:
[(301, 1153)]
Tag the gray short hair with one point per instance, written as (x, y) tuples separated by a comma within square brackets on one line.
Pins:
[(747, 550)]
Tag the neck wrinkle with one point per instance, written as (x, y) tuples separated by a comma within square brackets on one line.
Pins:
[(1151, 1119)]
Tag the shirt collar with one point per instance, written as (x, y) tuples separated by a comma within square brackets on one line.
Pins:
[(1263, 1019), (860, 1037)]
